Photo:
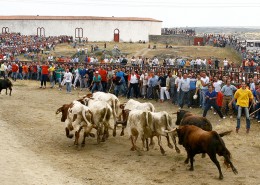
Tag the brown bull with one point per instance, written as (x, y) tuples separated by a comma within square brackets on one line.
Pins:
[(187, 118), (195, 141)]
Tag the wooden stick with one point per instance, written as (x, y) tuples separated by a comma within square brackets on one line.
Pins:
[(254, 112)]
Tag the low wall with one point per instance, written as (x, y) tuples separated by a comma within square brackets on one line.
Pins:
[(172, 39)]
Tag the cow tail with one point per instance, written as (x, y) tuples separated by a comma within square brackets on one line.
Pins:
[(224, 149), (152, 107), (84, 115), (167, 126), (149, 119), (115, 107)]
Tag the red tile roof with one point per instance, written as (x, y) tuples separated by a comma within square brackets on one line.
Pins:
[(31, 17)]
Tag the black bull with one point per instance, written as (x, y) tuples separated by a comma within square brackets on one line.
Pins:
[(187, 118), (6, 84)]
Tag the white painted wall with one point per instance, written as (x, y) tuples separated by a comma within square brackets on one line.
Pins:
[(95, 30)]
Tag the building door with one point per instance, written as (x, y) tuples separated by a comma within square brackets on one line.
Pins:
[(116, 35), (40, 32), (79, 33), (5, 30)]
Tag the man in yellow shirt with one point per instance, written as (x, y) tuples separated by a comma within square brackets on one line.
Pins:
[(243, 97)]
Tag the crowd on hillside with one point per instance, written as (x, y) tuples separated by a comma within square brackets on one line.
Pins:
[(15, 44)]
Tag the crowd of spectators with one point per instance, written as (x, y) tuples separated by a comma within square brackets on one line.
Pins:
[(161, 84), (13, 45)]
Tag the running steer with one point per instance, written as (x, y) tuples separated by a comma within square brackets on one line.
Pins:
[(195, 141)]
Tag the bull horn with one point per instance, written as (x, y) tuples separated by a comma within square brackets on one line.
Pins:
[(58, 110), (89, 95), (169, 131)]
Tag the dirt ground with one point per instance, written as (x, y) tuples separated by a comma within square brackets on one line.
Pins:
[(35, 150)]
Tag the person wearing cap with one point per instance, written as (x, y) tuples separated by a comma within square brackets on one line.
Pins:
[(96, 83)]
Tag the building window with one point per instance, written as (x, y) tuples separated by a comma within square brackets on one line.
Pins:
[(78, 33), (5, 30)]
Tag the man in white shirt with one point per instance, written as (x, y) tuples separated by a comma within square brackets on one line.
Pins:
[(225, 63), (77, 77), (198, 62), (155, 61), (177, 82), (184, 86), (204, 89), (133, 81), (68, 80), (144, 83), (217, 84)]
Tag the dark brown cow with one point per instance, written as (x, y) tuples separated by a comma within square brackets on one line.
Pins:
[(196, 140), (187, 118)]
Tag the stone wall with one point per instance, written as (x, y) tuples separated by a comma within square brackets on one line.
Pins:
[(172, 39)]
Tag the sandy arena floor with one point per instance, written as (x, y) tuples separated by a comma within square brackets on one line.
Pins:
[(35, 150)]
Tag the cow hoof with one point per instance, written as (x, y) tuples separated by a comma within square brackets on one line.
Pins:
[(114, 133), (70, 136), (220, 177), (170, 146), (162, 152), (186, 161), (103, 139), (191, 169), (178, 150), (122, 134), (133, 149), (151, 146), (82, 144)]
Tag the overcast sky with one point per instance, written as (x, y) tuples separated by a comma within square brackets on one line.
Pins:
[(173, 13)]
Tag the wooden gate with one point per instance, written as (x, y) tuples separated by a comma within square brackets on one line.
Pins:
[(116, 35)]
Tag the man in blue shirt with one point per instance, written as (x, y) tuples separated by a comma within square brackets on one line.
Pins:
[(193, 81), (153, 85), (120, 86), (211, 97)]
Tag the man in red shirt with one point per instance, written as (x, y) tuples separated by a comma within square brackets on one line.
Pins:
[(103, 74), (45, 72), (14, 71)]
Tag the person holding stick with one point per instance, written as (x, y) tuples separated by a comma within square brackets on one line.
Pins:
[(243, 96)]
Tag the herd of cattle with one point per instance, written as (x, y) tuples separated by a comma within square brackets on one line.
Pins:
[(140, 119)]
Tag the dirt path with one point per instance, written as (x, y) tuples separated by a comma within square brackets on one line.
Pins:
[(34, 149), (142, 52)]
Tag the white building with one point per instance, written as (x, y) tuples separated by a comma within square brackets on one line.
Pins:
[(123, 29)]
